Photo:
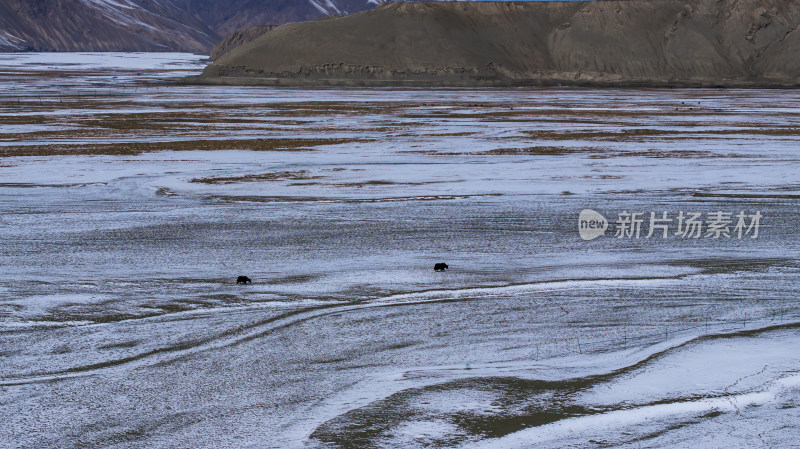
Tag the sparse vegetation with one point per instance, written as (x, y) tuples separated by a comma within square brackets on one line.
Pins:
[(274, 176), (133, 148)]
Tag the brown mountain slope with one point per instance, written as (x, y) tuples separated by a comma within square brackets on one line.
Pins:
[(663, 42), (237, 39)]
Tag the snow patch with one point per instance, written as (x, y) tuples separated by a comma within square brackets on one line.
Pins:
[(318, 6), (40, 304), (484, 292), (332, 6), (121, 12), (92, 61), (603, 423), (9, 40)]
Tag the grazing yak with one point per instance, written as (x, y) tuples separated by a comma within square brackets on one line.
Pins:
[(440, 267), (243, 280)]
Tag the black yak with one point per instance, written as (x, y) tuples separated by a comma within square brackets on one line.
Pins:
[(243, 280), (440, 267)]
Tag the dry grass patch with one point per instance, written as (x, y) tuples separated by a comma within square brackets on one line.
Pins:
[(545, 151), (458, 134), (25, 120), (598, 135), (273, 176), (638, 133), (134, 148), (366, 183), (532, 114), (662, 154)]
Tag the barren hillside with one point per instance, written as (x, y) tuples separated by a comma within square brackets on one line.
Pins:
[(665, 42)]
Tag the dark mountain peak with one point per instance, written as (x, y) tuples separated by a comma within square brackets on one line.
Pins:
[(100, 25)]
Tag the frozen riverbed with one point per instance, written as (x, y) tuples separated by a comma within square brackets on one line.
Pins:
[(129, 205)]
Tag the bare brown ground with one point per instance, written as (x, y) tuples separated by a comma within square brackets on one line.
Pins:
[(273, 176), (133, 148), (112, 125)]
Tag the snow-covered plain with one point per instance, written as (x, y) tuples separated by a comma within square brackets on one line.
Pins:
[(129, 205)]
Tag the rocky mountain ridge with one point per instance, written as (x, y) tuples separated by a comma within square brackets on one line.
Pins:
[(148, 25)]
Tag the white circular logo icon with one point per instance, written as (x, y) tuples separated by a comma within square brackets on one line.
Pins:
[(591, 224)]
